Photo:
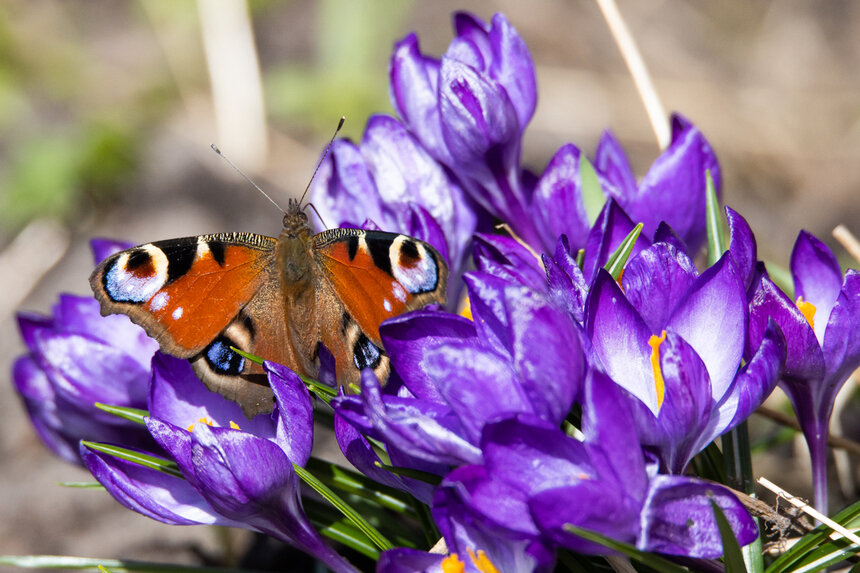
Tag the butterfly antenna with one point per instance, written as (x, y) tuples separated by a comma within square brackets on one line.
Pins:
[(324, 155), (325, 225), (248, 179)]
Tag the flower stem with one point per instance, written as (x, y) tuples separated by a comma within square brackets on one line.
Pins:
[(817, 443)]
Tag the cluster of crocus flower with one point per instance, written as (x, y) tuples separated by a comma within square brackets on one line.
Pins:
[(573, 394)]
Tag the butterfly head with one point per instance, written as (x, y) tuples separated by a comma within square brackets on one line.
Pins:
[(295, 221)]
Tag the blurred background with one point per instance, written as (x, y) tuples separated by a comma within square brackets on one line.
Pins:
[(107, 110)]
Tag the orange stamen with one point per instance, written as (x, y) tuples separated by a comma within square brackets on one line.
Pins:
[(452, 564), (482, 562), (808, 309)]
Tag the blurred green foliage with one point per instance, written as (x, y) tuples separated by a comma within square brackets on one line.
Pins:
[(74, 119)]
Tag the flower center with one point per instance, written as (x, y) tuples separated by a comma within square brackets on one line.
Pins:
[(208, 422), (452, 563), (659, 384), (808, 310)]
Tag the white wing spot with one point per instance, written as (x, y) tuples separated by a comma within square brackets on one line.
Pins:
[(159, 301), (177, 314)]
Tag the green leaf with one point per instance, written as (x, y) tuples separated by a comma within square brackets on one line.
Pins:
[(160, 464), (715, 224), (426, 477), (355, 483), (115, 565), (323, 391), (813, 539), (826, 555), (247, 355), (82, 484), (346, 533), (593, 197), (649, 559), (135, 415), (616, 262), (360, 522), (732, 555)]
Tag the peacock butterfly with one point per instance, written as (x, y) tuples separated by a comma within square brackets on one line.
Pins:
[(276, 298)]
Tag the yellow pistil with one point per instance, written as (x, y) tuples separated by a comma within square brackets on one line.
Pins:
[(654, 342), (808, 310), (452, 564), (482, 562), (618, 280)]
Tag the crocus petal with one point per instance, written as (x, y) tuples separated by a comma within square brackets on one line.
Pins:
[(817, 277), (68, 359), (712, 318), (557, 198), (804, 359), (414, 81), (588, 504), (742, 246), (425, 430), (509, 545), (407, 337), (476, 113), (611, 160), (512, 66), (29, 324), (619, 338), (45, 413), (842, 337), (78, 314), (177, 396), (487, 301), (227, 464), (296, 412), (565, 281), (656, 280), (608, 426), (673, 190), (406, 560), (478, 384), (611, 228), (678, 518), (753, 384), (552, 459), (546, 352), (344, 191), (152, 493), (361, 454), (686, 407), (507, 258)]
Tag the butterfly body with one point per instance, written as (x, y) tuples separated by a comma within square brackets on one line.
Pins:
[(279, 299)]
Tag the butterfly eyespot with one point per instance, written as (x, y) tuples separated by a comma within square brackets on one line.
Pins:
[(365, 353), (222, 359), (137, 275)]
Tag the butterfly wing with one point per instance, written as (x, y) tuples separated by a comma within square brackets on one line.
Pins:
[(200, 295), (366, 277), (184, 292)]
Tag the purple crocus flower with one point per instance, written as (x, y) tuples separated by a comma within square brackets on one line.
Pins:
[(391, 180), (674, 340), (76, 357), (822, 332), (550, 480), (235, 474), (469, 109), (673, 190)]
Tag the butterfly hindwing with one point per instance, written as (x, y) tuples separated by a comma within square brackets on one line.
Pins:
[(183, 292)]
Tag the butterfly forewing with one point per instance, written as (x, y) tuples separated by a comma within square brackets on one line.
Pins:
[(379, 275), (184, 292)]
